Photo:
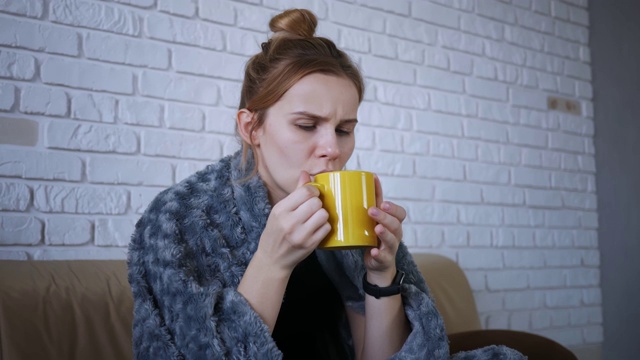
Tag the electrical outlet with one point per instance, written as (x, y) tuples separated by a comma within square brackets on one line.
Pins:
[(564, 105)]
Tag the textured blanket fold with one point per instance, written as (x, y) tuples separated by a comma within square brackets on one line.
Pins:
[(190, 250)]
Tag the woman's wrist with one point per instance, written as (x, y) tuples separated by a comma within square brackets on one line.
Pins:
[(381, 279)]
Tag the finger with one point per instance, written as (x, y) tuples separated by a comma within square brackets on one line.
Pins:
[(389, 222), (303, 178), (378, 189), (394, 210)]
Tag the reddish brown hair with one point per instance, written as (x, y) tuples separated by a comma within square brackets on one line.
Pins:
[(292, 53)]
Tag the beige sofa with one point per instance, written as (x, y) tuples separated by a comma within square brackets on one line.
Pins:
[(82, 310)]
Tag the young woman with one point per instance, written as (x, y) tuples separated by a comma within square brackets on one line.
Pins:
[(224, 264)]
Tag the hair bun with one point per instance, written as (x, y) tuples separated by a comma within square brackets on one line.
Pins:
[(294, 22)]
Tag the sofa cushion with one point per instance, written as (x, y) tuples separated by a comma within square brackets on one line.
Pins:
[(77, 309)]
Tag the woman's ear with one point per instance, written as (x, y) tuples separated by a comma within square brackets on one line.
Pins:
[(244, 119)]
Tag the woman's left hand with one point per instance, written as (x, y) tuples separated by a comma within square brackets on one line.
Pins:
[(381, 261)]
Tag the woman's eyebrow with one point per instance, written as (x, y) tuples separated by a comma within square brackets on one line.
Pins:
[(319, 117)]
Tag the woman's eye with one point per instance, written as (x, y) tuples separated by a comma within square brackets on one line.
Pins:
[(344, 131), (306, 127)]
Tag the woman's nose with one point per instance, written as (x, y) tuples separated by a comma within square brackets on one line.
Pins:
[(328, 146)]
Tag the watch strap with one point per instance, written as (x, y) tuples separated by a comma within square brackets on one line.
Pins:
[(378, 292)]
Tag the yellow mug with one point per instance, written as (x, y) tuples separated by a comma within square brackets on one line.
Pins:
[(347, 195)]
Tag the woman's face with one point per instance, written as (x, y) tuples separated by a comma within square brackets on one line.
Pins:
[(310, 128)]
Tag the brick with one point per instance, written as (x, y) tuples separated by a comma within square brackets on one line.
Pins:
[(488, 152), (208, 63), (479, 237), (531, 177), (186, 8), (486, 89), (390, 141), (458, 237), (387, 164), (582, 277), (496, 10), (67, 231), (525, 38), (507, 280), (358, 17), (178, 87), (17, 66), (353, 39), (441, 147), (461, 63), (118, 50), (436, 123), (141, 197), (219, 11), (586, 238), (435, 14), (547, 82), (465, 150), (543, 198), (481, 215), (88, 76), (20, 230), (497, 111), (428, 237), (185, 117), (93, 107), (523, 259), (391, 48), (95, 16), (217, 120), (457, 40), (589, 220), (485, 173), (563, 258), (85, 253), (129, 171), (439, 79), (562, 298), (397, 7), (473, 24), (464, 5), (545, 62), (138, 3), (523, 217), (572, 32), (409, 29), (415, 144), (502, 195), (43, 101), (230, 93), (485, 130), (243, 42), (140, 112), (384, 69), (480, 259), (542, 7), (579, 16), (584, 316), (401, 95), (30, 8), (563, 48), (453, 104), (570, 181), (29, 164), (534, 21), (433, 168), (253, 17), (7, 96), (592, 296), (484, 68), (593, 334), (13, 255), (113, 232), (14, 196), (563, 218), (365, 139), (183, 31), (547, 278), (384, 116), (567, 142), (182, 146), (587, 163), (407, 188), (438, 59), (580, 201), (39, 37), (570, 162), (80, 200), (70, 136)]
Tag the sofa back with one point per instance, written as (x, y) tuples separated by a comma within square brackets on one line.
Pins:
[(65, 310)]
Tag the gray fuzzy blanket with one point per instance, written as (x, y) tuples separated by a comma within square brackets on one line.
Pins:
[(190, 250)]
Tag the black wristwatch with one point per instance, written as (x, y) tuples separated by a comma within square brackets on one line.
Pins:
[(378, 292)]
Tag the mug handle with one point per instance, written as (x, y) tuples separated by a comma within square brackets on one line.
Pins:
[(318, 186)]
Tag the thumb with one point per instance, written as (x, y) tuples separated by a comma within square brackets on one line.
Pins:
[(304, 178)]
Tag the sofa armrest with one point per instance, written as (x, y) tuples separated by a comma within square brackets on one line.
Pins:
[(535, 347)]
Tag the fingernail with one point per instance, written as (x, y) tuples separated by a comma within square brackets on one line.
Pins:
[(386, 206), (374, 211)]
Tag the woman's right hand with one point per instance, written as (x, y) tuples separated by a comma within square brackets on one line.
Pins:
[(295, 227)]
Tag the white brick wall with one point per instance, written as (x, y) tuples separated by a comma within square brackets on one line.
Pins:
[(133, 95)]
